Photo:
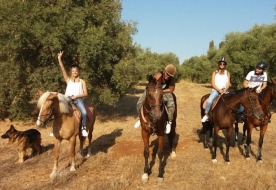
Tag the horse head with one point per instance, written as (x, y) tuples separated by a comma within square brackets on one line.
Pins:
[(46, 103), (252, 104), (154, 99)]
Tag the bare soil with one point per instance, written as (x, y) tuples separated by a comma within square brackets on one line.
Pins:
[(117, 161)]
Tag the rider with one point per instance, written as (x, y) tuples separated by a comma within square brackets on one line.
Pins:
[(257, 77), (168, 86), (76, 89), (220, 83)]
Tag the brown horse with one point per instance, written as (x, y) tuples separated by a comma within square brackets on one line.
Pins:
[(153, 117), (222, 116), (265, 98), (54, 106)]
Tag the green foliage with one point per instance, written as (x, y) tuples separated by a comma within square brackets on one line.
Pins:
[(90, 33)]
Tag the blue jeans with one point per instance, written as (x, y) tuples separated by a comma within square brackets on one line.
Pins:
[(210, 100), (80, 104), (241, 109)]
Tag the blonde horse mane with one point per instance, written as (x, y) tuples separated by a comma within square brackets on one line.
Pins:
[(63, 101)]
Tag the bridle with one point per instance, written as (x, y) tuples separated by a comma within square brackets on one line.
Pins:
[(252, 110), (155, 93), (50, 114)]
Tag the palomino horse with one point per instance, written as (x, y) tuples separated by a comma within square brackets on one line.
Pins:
[(266, 97), (153, 117), (54, 106), (222, 116)]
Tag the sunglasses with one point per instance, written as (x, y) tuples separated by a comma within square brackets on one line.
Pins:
[(222, 63)]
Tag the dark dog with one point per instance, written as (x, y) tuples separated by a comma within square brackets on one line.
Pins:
[(22, 140)]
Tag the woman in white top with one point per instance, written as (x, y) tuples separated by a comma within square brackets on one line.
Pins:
[(76, 89), (220, 83)]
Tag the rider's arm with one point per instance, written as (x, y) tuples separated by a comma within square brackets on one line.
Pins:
[(64, 73)]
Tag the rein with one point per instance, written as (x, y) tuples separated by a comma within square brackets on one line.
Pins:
[(50, 115), (250, 101)]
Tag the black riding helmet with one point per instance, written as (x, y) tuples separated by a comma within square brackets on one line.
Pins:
[(223, 60), (261, 65)]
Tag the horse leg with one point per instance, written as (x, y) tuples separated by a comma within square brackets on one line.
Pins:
[(243, 134), (172, 140), (89, 153), (145, 136), (160, 154), (82, 140), (236, 134), (248, 141), (262, 132), (57, 143), (228, 137), (214, 155), (210, 127), (73, 153)]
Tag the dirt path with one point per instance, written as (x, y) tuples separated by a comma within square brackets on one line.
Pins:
[(117, 160)]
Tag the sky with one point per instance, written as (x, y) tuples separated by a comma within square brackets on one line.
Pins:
[(186, 27)]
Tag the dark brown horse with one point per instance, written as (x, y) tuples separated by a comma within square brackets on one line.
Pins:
[(266, 97), (153, 117), (222, 116), (54, 106)]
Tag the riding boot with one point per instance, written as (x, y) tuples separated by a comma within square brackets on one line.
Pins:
[(84, 131)]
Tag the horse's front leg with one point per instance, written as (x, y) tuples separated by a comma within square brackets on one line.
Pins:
[(57, 143), (72, 153), (145, 136), (214, 155), (248, 141), (262, 132), (228, 137), (160, 154)]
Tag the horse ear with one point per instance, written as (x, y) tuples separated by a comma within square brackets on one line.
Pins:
[(12, 127), (273, 80), (39, 92), (149, 77)]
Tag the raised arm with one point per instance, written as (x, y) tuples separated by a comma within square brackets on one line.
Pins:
[(64, 73)]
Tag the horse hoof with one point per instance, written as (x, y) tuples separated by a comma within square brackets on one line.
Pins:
[(53, 175), (260, 161), (160, 180), (173, 154), (214, 161), (72, 169), (227, 162), (247, 158), (145, 178)]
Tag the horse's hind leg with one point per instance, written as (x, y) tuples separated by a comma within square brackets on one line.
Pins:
[(214, 154), (73, 153), (229, 133), (236, 134), (262, 132)]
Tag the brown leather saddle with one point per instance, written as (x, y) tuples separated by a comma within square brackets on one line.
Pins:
[(77, 112)]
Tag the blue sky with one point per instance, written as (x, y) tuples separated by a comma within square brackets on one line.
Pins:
[(185, 27)]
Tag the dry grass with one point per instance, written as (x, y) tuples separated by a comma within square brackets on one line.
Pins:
[(117, 161)]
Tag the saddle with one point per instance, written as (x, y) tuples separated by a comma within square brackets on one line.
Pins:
[(77, 112), (213, 104)]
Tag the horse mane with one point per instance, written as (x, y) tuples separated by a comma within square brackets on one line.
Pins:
[(63, 101)]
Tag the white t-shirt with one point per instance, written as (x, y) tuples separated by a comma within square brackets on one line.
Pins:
[(255, 80), (221, 81), (73, 88)]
